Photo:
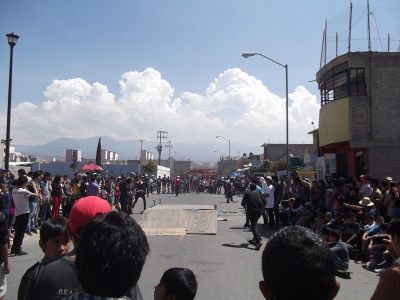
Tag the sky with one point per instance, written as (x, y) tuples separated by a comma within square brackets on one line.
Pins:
[(127, 68)]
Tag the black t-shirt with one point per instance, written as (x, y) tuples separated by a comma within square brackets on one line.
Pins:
[(253, 202), (348, 230), (55, 280)]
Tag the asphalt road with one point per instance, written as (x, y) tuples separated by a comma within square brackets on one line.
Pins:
[(224, 266)]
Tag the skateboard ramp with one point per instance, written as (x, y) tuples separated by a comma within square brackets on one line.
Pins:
[(176, 219)]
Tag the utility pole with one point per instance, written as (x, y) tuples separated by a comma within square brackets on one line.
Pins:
[(369, 29), (140, 156), (160, 135), (169, 146)]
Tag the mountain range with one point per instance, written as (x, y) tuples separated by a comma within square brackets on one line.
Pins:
[(130, 149)]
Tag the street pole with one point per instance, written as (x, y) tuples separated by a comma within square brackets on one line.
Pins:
[(250, 54), (229, 144), (287, 123), (161, 135), (12, 41)]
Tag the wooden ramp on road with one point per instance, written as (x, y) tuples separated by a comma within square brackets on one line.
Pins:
[(164, 219)]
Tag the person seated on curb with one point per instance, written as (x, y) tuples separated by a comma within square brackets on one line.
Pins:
[(54, 242), (388, 287), (176, 284), (296, 264), (368, 235), (57, 279), (110, 257), (376, 249), (340, 253)]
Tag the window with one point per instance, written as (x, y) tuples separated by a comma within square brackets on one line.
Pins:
[(357, 82), (341, 82)]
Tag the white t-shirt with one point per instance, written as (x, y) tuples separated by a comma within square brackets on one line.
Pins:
[(271, 199), (21, 200)]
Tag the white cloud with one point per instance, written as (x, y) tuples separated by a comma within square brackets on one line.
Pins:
[(235, 105)]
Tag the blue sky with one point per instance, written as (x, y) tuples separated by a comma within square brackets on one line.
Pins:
[(190, 43)]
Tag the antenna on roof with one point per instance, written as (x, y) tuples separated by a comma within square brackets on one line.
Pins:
[(369, 28), (323, 47), (351, 17), (326, 29)]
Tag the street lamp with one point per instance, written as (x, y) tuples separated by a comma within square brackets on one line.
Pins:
[(229, 143), (12, 41), (250, 54)]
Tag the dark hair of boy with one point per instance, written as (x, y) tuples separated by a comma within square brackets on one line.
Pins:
[(296, 264), (21, 181), (180, 282), (53, 228), (326, 230), (110, 255)]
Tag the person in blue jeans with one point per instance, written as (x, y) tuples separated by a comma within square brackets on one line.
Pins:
[(34, 187)]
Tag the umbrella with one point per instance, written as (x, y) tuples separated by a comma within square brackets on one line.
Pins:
[(91, 167)]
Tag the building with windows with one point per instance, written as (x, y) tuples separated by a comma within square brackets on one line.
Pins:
[(108, 156), (72, 155), (359, 128), (278, 151)]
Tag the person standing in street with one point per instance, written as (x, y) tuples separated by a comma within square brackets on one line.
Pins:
[(123, 198), (270, 198), (254, 205), (21, 199), (56, 195), (93, 188), (45, 190), (140, 192)]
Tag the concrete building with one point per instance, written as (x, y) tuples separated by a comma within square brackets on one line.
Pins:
[(278, 151), (108, 156), (227, 165), (359, 126), (71, 154)]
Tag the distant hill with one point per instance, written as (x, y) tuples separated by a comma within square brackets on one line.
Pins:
[(130, 149)]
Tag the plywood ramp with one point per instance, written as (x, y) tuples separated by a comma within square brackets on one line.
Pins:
[(173, 219), (181, 206), (164, 231)]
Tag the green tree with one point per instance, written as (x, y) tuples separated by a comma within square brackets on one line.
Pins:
[(150, 168), (98, 153)]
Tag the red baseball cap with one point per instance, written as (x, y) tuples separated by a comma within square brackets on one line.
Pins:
[(85, 210)]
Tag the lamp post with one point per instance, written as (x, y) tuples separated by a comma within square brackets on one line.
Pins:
[(12, 41), (229, 144), (250, 54)]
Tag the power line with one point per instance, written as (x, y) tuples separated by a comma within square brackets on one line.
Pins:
[(354, 23), (377, 30)]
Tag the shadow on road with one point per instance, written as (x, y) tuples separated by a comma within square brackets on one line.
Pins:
[(242, 245)]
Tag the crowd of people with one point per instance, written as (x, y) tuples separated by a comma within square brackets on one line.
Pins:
[(325, 224), (356, 219)]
